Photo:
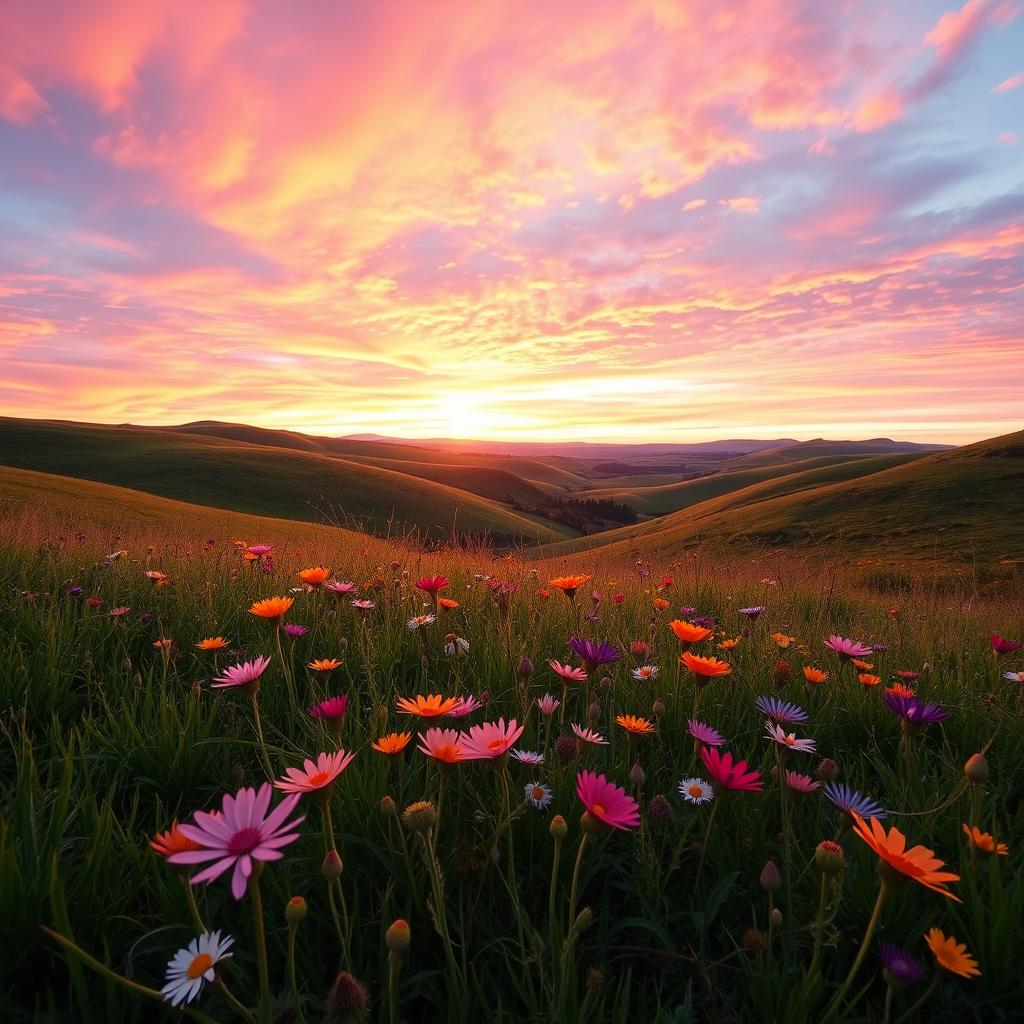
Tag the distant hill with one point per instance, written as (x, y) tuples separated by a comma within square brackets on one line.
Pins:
[(820, 448), (282, 482)]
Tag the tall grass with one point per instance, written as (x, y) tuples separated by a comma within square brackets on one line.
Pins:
[(103, 747)]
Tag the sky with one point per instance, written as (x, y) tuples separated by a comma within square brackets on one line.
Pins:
[(608, 220)]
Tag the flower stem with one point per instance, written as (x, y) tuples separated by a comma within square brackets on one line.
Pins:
[(261, 947), (576, 877), (259, 736), (292, 929), (876, 916), (704, 848), (242, 1009), (193, 908)]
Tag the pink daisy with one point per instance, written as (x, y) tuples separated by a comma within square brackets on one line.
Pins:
[(548, 704), (846, 648), (787, 739), (607, 802), (314, 775), (243, 674), (339, 588), (446, 745), (730, 774), (569, 673), (241, 833), (331, 710), (589, 736), (798, 783), (466, 706), (704, 733), (492, 739)]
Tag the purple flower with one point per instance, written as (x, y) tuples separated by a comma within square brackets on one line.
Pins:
[(900, 964), (850, 802), (74, 591), (293, 630), (705, 734), (752, 613), (241, 833), (780, 710), (846, 648), (706, 621), (914, 711), (594, 653)]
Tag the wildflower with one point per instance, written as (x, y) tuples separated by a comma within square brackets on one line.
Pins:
[(862, 666), (814, 676), (852, 803), (780, 710), (363, 605), (241, 833), (419, 621), (212, 643), (532, 758), (93, 602), (331, 710), (782, 641), (704, 669), (393, 743), (983, 842), (645, 673), (163, 645), (951, 955), (639, 648), (660, 604), (798, 783), (158, 579), (728, 645), (569, 584), (633, 724), (525, 668), (244, 674), (314, 578), (432, 706), (339, 588), (687, 633), (753, 613), (398, 936), (770, 879), (548, 704), (606, 802), (589, 736), (906, 675), (455, 645), (899, 967), (566, 749), (704, 733), (432, 584), (568, 673), (324, 664), (194, 965), (592, 653), (491, 739), (915, 712), (899, 690), (788, 739), (538, 794), (119, 613), (259, 550), (314, 775), (465, 706), (867, 680), (976, 769), (846, 649), (829, 857), (659, 811), (172, 841), (696, 791), (897, 862), (1014, 677), (272, 608), (827, 770), (1002, 646), (730, 774), (347, 1001), (444, 745), (295, 910)]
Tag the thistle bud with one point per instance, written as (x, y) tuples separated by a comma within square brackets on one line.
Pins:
[(829, 857), (771, 880), (566, 749), (659, 811), (295, 910), (332, 867), (347, 1000), (827, 770), (388, 807), (976, 769), (398, 936), (782, 673), (558, 827), (420, 816), (593, 713), (754, 940), (605, 683), (637, 776)]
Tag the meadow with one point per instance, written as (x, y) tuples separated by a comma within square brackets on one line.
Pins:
[(612, 861)]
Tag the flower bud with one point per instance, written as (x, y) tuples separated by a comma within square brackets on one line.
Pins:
[(332, 866), (525, 668), (637, 776), (829, 857), (398, 936), (605, 683), (566, 749), (753, 940), (591, 825), (976, 769), (388, 807), (295, 910), (658, 708), (827, 769), (776, 917), (593, 713), (347, 1000), (659, 811), (558, 828), (782, 673), (771, 880), (594, 980), (420, 816)]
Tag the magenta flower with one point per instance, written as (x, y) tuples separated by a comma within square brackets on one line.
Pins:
[(243, 674), (293, 630), (432, 584), (241, 833), (705, 734), (1003, 646), (260, 549), (465, 706), (607, 802), (594, 653), (847, 648), (332, 710), (569, 673), (339, 588), (799, 783), (490, 740), (730, 774)]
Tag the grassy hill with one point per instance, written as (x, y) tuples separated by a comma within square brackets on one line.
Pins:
[(262, 480), (820, 448), (959, 506)]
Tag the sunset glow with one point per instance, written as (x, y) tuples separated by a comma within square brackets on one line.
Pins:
[(666, 220)]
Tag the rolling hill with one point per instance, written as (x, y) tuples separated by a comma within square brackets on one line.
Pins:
[(262, 480)]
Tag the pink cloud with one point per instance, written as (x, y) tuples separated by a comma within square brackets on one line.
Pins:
[(743, 204), (19, 100), (1007, 138), (1011, 83), (955, 30), (694, 204), (878, 111)]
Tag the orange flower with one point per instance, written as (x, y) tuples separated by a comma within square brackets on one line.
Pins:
[(863, 666), (271, 607), (213, 643), (569, 584), (433, 706), (814, 675), (172, 841), (782, 640), (158, 579), (393, 743), (637, 726), (951, 955), (900, 690), (867, 680), (447, 603), (660, 603), (314, 578), (705, 667), (325, 664), (985, 843), (728, 645), (918, 863), (687, 632)]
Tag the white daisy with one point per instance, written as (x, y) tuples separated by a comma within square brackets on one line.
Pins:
[(189, 968), (645, 673), (530, 757), (538, 794), (420, 620), (696, 791)]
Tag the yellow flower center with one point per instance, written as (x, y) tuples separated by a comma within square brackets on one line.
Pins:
[(199, 966)]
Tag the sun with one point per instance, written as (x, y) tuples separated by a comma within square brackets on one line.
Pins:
[(460, 414)]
